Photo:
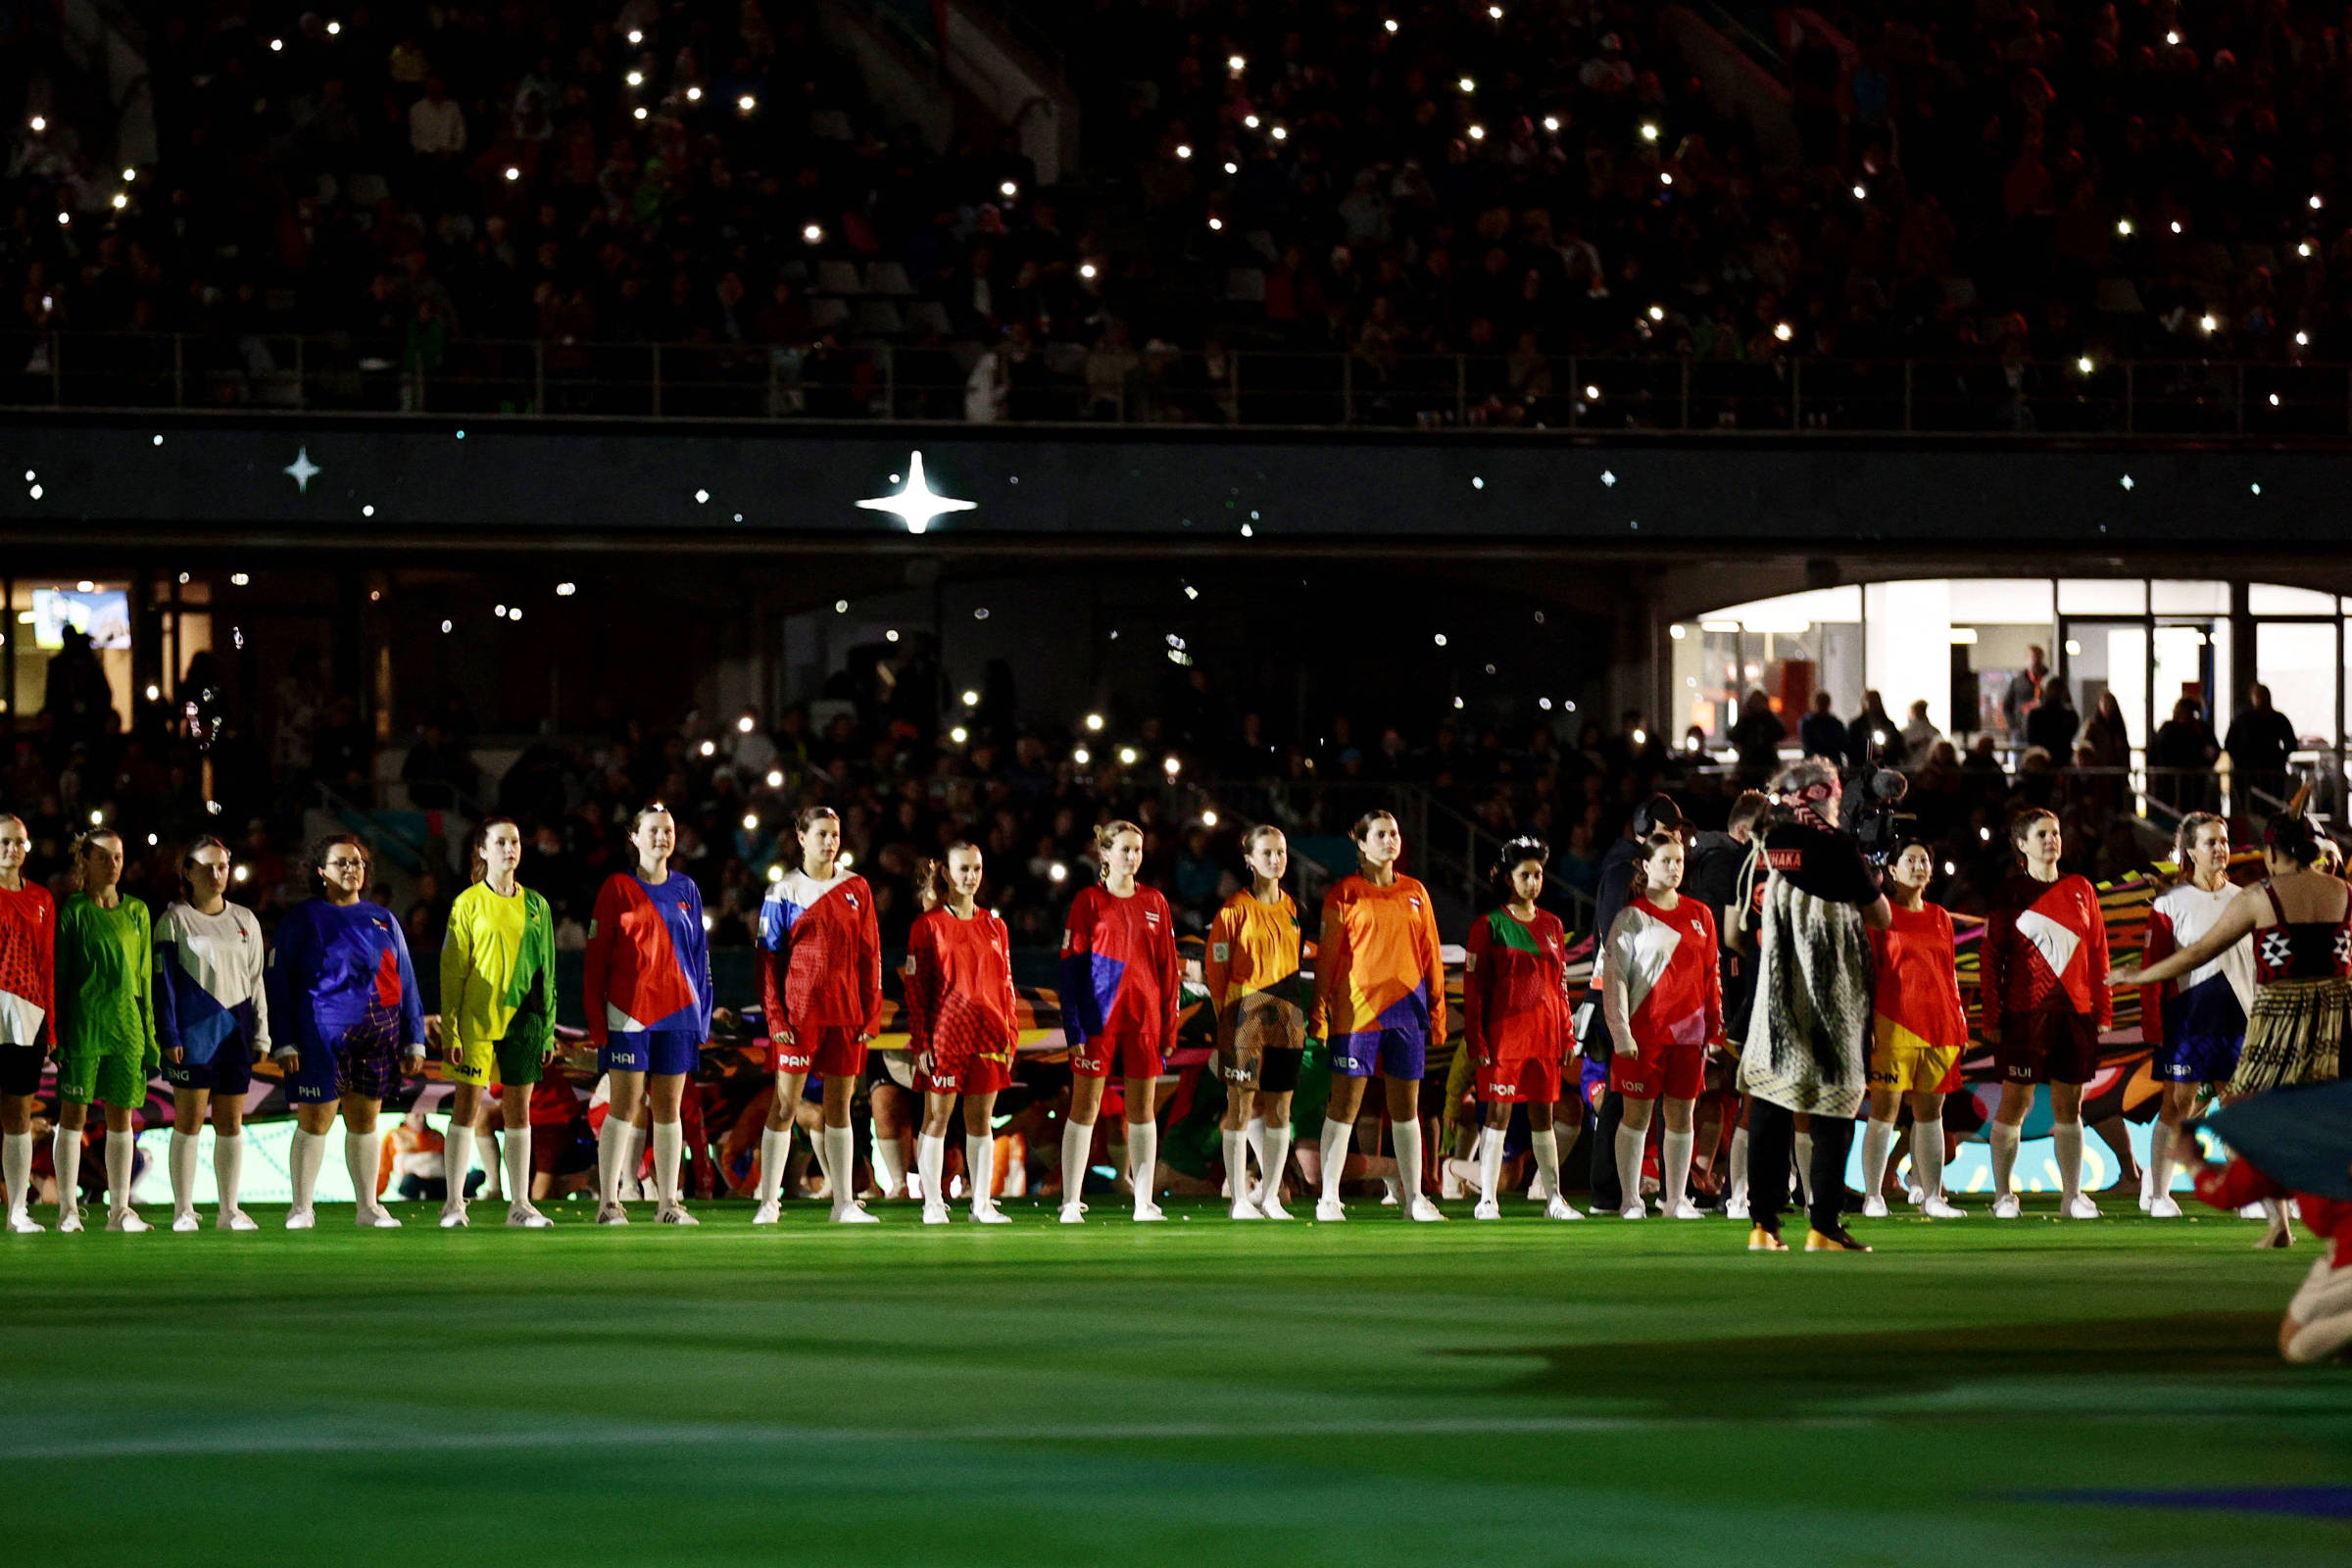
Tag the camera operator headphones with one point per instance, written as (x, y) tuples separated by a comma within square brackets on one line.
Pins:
[(1658, 813)]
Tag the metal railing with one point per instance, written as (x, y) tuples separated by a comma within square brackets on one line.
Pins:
[(869, 380)]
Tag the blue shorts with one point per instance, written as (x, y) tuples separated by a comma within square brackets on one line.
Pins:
[(1391, 1052), (229, 1072), (674, 1052), (361, 1066), (2198, 1059)]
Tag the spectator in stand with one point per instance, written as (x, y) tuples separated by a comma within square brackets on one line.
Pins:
[(2260, 741), (1871, 733), (1757, 738), (2052, 724), (2024, 690), (1920, 738), (1821, 732), (2183, 746)]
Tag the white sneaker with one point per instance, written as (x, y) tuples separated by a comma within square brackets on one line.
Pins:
[(853, 1214), (1687, 1210), (2006, 1207), (129, 1221), (1073, 1213), (455, 1219), (1425, 1211), (630, 1191), (1457, 1179), (1271, 1207), (1558, 1207), (68, 1221), (934, 1213), (1330, 1211), (1486, 1209), (990, 1214), (1148, 1212), (234, 1219), (1938, 1207), (24, 1224), (1874, 1206), (674, 1214), (1392, 1193), (1916, 1195), (1243, 1209), (1735, 1208), (2082, 1207), (523, 1216), (2147, 1183), (611, 1214), (1537, 1191), (302, 1219), (371, 1218), (767, 1213), (2165, 1208), (184, 1222), (1633, 1210)]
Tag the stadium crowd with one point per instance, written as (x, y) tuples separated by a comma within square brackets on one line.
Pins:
[(1991, 185)]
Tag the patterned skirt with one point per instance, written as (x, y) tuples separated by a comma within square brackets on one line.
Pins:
[(2295, 1035)]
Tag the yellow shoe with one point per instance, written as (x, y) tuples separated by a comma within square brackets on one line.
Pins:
[(1760, 1240), (1842, 1242)]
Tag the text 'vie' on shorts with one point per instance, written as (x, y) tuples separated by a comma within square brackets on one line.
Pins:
[(1389, 1052)]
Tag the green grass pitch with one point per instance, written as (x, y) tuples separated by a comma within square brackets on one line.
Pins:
[(1196, 1393)]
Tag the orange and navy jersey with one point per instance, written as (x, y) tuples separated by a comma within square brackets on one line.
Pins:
[(1255, 947), (1515, 988), (1118, 969), (1377, 963), (1660, 982), (28, 966), (821, 956), (2045, 946), (959, 996), (1915, 981), (648, 963)]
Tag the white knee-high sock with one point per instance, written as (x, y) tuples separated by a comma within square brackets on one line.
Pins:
[(514, 1155), (979, 1168), (1804, 1166), (1253, 1133), (1629, 1163), (1277, 1162), (1236, 1165), (1077, 1148), (1926, 1156), (228, 1168), (1547, 1158), (888, 1157), (1406, 1134), (363, 1158), (931, 1162), (303, 1163), (457, 1161), (2066, 1139), (2003, 1137), (1739, 1191), (16, 1169), (840, 1160), (119, 1150), (65, 1151), (1490, 1163), (1878, 1141), (775, 1153), (634, 1166), (613, 1142), (494, 1182), (1676, 1148), (2160, 1163), (1336, 1137), (1143, 1160), (184, 1172), (669, 1146)]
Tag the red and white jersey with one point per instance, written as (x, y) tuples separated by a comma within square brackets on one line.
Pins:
[(959, 996), (28, 966), (820, 954), (1662, 984), (2045, 945)]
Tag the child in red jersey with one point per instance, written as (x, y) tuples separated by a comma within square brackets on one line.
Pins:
[(964, 1022), (1119, 1011), (1515, 1021), (1662, 994), (27, 1011), (820, 984), (2044, 999), (1917, 1032)]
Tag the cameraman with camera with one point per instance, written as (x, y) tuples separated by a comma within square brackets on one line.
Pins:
[(1807, 1049)]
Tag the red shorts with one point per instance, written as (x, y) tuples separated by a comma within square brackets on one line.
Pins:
[(1129, 1055), (1678, 1072), (829, 1051), (968, 1074), (1529, 1081)]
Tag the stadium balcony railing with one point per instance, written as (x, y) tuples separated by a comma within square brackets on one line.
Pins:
[(1249, 387)]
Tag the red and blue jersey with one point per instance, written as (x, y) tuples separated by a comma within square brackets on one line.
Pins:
[(340, 969), (2210, 1003), (648, 963), (821, 956), (1118, 969), (28, 966)]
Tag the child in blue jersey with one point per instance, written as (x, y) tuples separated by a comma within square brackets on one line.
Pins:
[(343, 999), (211, 1020)]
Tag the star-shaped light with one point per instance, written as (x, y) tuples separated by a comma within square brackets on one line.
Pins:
[(917, 503), (302, 471)]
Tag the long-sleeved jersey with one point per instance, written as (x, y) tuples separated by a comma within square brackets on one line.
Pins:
[(1118, 969), (2045, 945), (1254, 962), (648, 963), (211, 983), (2211, 1002), (498, 969), (338, 967), (959, 996), (1660, 983), (1515, 988), (106, 980), (821, 956), (28, 966), (1377, 962), (1915, 980)]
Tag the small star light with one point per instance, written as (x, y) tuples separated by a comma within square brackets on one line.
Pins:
[(1608, 478), (2127, 481), (917, 503), (302, 471)]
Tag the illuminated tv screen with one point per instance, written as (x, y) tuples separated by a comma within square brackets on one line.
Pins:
[(104, 614)]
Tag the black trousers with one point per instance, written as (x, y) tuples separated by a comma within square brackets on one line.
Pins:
[(1608, 1195), (1772, 1161)]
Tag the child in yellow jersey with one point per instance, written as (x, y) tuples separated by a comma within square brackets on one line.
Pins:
[(498, 1013), (1259, 993)]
